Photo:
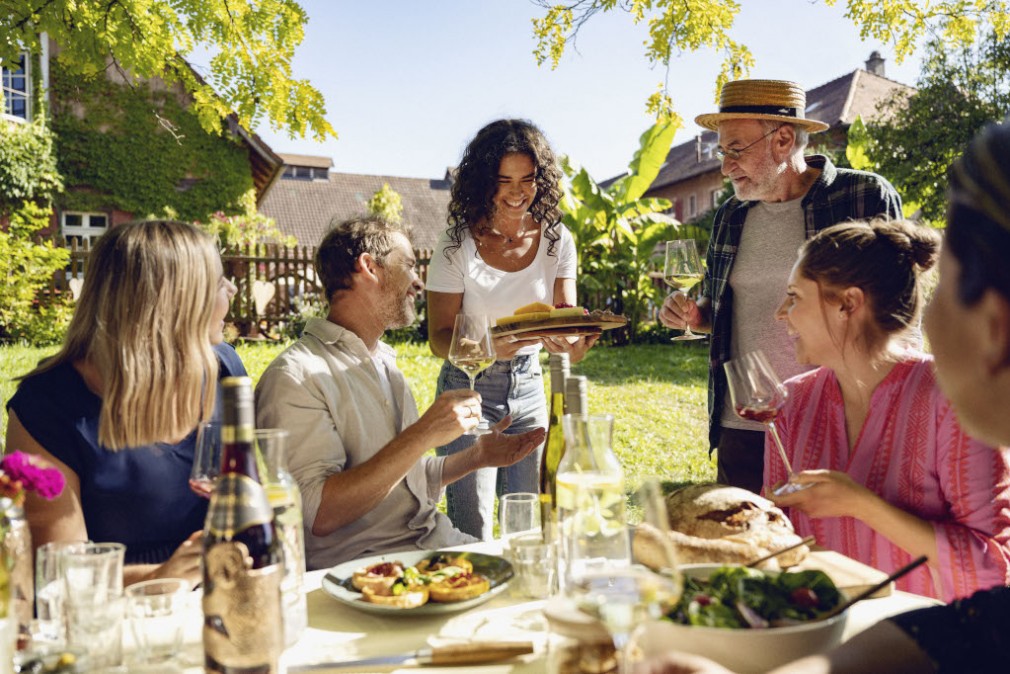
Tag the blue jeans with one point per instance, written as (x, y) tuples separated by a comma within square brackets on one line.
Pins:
[(513, 387)]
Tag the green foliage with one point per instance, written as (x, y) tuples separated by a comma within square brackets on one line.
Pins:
[(386, 203), (249, 228), (616, 230), (677, 26), (959, 90), (251, 43), (133, 160), (674, 26), (27, 164), (27, 263)]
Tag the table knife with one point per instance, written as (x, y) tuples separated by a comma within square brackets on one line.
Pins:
[(461, 654)]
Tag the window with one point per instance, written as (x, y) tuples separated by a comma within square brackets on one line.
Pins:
[(305, 173), (16, 81), (81, 227), (692, 206), (715, 198)]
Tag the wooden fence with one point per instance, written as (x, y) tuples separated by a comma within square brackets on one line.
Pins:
[(273, 281), (283, 281)]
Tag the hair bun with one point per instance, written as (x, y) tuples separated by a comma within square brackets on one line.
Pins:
[(920, 242)]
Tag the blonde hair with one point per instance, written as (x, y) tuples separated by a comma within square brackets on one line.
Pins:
[(143, 321)]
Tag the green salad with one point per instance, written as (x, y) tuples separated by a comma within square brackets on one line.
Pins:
[(735, 596)]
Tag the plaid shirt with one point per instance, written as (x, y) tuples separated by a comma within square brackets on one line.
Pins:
[(838, 195)]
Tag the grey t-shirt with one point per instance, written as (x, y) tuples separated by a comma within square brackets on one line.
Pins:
[(771, 237)]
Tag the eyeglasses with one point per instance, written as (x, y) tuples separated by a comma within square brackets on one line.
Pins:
[(726, 153)]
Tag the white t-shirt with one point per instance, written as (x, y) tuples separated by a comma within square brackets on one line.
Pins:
[(498, 293)]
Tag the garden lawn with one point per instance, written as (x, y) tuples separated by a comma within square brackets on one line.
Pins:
[(656, 393)]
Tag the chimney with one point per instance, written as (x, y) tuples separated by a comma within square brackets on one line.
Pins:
[(875, 64)]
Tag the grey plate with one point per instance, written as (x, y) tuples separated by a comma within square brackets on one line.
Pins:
[(337, 581)]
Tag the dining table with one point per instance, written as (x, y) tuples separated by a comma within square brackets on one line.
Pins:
[(339, 632)]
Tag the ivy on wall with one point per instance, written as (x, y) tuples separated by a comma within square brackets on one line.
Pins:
[(110, 141)]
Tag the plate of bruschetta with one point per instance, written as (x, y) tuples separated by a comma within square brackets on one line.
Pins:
[(418, 582)]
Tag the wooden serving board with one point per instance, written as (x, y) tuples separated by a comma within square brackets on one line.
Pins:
[(559, 326), (850, 576)]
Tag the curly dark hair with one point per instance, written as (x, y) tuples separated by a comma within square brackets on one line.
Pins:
[(471, 204)]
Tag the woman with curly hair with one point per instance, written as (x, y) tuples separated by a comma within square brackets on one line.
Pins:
[(116, 409), (505, 247)]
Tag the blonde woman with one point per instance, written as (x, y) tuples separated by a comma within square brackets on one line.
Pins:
[(117, 407)]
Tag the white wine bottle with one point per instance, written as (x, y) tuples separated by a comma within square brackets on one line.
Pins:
[(554, 447)]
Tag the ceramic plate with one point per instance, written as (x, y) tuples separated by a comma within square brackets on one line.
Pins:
[(337, 582)]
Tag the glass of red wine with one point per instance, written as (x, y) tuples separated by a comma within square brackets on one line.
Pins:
[(758, 395)]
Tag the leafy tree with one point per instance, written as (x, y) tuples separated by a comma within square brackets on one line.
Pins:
[(959, 91), (252, 43), (616, 230), (676, 26), (386, 203)]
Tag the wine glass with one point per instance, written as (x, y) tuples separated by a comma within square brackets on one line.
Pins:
[(206, 458), (682, 271), (758, 395), (472, 350), (624, 596)]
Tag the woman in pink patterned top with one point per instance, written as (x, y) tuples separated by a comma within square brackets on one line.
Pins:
[(894, 476)]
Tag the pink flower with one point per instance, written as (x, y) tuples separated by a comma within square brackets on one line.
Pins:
[(47, 481)]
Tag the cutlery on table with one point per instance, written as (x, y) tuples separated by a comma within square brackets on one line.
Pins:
[(871, 590), (478, 652)]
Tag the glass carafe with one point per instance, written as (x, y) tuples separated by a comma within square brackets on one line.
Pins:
[(286, 500), (591, 499)]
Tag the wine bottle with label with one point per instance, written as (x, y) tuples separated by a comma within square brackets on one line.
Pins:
[(243, 560), (554, 447)]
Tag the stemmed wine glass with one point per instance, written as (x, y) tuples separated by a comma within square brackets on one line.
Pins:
[(206, 458), (758, 395), (624, 596), (472, 350), (682, 271)]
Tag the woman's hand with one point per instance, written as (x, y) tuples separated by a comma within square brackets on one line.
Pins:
[(505, 348), (184, 562), (833, 494), (575, 346), (496, 449)]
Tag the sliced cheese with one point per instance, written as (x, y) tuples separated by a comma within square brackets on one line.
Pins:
[(534, 307), (568, 312)]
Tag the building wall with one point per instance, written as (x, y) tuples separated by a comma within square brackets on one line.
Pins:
[(700, 187)]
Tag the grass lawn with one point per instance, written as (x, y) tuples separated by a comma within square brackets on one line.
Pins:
[(656, 393)]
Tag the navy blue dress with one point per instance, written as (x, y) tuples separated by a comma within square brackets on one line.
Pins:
[(138, 496)]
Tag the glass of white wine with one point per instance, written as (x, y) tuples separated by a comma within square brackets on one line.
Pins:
[(682, 271), (472, 351), (624, 596)]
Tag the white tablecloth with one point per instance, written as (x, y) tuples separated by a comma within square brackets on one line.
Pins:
[(339, 632)]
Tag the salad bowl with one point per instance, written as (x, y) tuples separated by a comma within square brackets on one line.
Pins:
[(741, 649)]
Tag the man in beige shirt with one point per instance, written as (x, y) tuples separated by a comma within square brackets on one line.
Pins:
[(357, 447)]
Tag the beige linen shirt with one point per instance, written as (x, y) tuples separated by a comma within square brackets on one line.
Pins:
[(325, 391)]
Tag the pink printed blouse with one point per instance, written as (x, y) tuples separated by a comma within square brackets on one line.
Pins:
[(913, 453)]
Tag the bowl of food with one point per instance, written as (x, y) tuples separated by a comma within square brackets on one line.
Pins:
[(749, 620)]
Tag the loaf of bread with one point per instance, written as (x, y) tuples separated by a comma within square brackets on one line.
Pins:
[(719, 524)]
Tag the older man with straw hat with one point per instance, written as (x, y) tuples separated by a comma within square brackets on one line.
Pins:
[(781, 198)]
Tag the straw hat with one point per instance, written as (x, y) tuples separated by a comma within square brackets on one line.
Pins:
[(774, 100)]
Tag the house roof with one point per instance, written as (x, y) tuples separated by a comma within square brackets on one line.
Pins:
[(309, 160), (836, 103), (305, 208)]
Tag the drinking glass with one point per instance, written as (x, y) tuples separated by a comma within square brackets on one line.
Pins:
[(50, 626), (206, 458), (93, 601), (682, 271), (472, 350), (623, 596), (758, 395), (519, 513), (156, 610)]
